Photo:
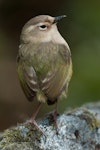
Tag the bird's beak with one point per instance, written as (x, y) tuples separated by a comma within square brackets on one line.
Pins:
[(58, 18)]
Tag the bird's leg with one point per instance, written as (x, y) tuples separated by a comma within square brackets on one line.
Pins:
[(32, 120), (36, 112), (55, 114)]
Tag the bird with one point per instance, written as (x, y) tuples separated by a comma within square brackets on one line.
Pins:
[(44, 63)]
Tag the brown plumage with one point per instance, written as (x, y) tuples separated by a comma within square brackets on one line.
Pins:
[(44, 61)]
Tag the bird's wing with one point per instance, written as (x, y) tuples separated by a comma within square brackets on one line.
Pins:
[(27, 78), (58, 77), (46, 69)]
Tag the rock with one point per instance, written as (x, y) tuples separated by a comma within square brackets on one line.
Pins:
[(78, 129)]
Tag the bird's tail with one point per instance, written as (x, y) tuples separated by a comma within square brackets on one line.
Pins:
[(40, 96)]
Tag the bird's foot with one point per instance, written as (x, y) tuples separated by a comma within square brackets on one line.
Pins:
[(33, 122), (53, 115)]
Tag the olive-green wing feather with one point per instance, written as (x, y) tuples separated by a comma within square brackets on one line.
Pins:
[(27, 78), (57, 79), (45, 69)]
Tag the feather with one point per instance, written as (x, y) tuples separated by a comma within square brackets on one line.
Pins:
[(45, 69)]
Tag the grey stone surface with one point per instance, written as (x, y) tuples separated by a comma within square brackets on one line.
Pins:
[(78, 129)]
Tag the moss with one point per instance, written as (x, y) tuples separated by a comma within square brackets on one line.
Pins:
[(88, 116), (23, 133), (78, 129)]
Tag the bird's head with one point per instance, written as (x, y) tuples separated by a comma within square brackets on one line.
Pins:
[(42, 28)]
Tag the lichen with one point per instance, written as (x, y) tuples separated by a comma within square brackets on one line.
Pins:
[(78, 129), (85, 114), (23, 133)]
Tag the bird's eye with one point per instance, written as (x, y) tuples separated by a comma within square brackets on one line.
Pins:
[(43, 27)]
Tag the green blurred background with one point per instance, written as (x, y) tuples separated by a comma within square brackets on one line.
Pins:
[(81, 29)]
